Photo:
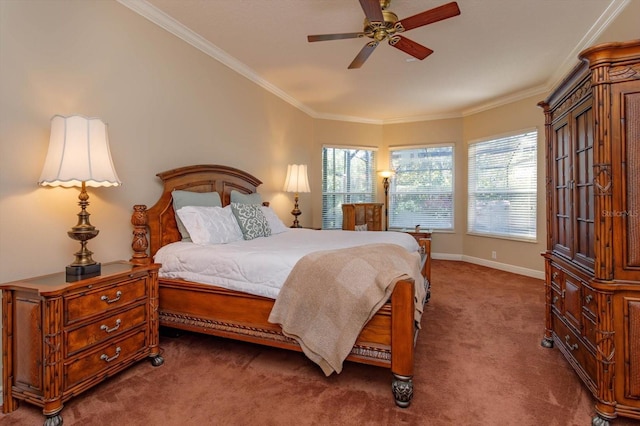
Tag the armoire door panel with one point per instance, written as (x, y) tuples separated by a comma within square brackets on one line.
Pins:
[(583, 201), (562, 190), (626, 167), (634, 347)]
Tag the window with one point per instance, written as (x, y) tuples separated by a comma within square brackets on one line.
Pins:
[(421, 191), (348, 176), (503, 186)]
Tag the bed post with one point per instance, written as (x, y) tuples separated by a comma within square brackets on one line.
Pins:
[(402, 341), (139, 220)]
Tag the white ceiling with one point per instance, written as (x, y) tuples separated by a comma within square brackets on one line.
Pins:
[(494, 52)]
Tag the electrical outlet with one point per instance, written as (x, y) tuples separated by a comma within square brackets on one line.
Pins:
[(494, 255)]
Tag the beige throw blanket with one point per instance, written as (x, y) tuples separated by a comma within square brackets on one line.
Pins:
[(330, 296)]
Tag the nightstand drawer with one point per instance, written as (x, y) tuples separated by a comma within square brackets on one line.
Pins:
[(85, 305), (106, 328), (92, 364)]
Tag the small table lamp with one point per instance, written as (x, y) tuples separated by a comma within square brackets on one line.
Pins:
[(386, 174), (79, 156), (296, 181)]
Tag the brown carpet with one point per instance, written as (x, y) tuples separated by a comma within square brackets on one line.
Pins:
[(479, 362)]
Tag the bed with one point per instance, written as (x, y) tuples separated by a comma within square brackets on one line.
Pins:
[(387, 340)]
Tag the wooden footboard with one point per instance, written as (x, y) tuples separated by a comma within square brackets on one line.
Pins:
[(387, 340)]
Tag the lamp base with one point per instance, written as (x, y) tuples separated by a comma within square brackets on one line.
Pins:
[(77, 273)]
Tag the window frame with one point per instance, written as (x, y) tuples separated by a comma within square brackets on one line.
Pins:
[(347, 196), (532, 190), (393, 182)]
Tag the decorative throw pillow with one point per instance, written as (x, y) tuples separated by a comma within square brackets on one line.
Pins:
[(275, 223), (188, 198), (240, 198), (210, 225), (252, 221)]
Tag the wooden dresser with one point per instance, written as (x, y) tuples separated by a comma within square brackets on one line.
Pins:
[(59, 339), (592, 262)]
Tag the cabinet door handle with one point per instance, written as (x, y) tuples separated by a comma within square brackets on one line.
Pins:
[(106, 298), (588, 298), (555, 275), (105, 328), (555, 299), (571, 347), (107, 358)]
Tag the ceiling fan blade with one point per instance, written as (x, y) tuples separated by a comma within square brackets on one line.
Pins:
[(363, 55), (325, 37), (430, 16), (409, 46), (372, 10)]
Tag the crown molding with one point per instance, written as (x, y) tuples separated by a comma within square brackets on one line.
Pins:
[(150, 12), (610, 13), (507, 99), (158, 17)]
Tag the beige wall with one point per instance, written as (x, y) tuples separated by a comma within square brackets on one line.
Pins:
[(337, 133), (521, 115), (435, 132), (167, 105)]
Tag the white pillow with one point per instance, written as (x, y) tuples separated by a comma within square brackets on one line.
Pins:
[(275, 223), (210, 225)]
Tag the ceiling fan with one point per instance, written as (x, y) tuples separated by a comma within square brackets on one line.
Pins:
[(382, 24)]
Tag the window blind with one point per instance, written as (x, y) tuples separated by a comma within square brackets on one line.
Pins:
[(502, 187), (421, 190), (348, 176)]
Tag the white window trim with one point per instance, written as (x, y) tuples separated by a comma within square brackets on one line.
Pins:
[(532, 240), (452, 145)]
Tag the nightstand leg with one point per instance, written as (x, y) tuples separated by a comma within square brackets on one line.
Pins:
[(157, 360)]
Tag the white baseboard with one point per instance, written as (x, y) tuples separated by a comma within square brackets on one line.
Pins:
[(490, 264), (446, 256)]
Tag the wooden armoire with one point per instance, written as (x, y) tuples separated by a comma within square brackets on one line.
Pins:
[(592, 261)]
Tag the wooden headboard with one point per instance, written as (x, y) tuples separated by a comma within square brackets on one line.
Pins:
[(156, 226)]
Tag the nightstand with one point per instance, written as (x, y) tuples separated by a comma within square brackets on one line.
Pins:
[(60, 339), (424, 240), (418, 235)]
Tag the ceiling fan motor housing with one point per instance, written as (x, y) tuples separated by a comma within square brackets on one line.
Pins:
[(381, 30)]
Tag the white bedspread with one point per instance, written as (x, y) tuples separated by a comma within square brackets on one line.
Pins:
[(260, 266)]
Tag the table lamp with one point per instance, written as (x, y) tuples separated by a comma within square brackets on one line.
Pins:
[(296, 182), (79, 156)]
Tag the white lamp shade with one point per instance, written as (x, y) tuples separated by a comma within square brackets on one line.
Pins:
[(78, 152), (297, 180)]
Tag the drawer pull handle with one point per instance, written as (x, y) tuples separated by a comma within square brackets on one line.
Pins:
[(555, 275), (105, 328), (571, 347), (106, 298), (588, 298), (555, 299), (107, 358)]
